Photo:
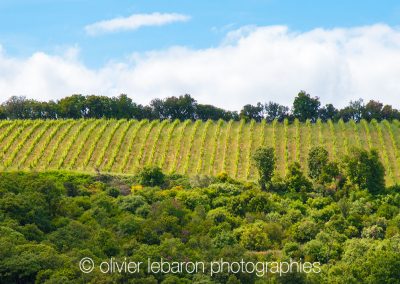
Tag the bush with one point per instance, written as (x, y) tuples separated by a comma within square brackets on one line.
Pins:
[(151, 176)]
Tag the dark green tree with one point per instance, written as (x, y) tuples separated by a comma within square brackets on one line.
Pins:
[(328, 112), (365, 170), (276, 111), (296, 180), (305, 107), (317, 160), (265, 160), (372, 110), (353, 111), (250, 112), (151, 176), (72, 106)]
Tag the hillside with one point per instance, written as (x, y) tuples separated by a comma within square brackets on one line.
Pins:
[(120, 146)]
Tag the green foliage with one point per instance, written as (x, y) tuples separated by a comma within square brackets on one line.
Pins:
[(317, 161), (265, 160), (365, 169), (296, 180), (151, 176), (49, 221), (305, 107)]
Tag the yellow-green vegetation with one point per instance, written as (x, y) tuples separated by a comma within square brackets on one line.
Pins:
[(194, 148)]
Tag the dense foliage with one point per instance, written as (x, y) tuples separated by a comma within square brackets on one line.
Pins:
[(185, 107), (49, 221)]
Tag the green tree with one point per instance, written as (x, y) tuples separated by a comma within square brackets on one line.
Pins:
[(72, 106), (317, 160), (276, 111), (305, 107), (151, 176), (250, 112), (296, 180), (365, 170), (265, 160)]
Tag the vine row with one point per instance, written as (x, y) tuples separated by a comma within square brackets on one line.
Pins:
[(128, 153), (192, 137), (238, 150), (21, 144), (202, 146), (155, 143), (178, 146), (34, 143), (82, 142), (215, 143), (167, 143), (107, 142), (64, 154), (227, 143), (117, 148), (251, 142), (47, 142)]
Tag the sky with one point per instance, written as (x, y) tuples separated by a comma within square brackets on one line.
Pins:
[(226, 53)]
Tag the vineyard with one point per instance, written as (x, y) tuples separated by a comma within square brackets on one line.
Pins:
[(192, 148)]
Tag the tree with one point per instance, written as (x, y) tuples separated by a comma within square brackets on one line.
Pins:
[(365, 170), (151, 176), (328, 112), (72, 106), (250, 112), (305, 107), (265, 160), (373, 110), (98, 107), (296, 180), (317, 160), (122, 107), (276, 111), (205, 112), (18, 107), (353, 111), (3, 114)]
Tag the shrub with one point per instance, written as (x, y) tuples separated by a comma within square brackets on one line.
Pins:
[(151, 176)]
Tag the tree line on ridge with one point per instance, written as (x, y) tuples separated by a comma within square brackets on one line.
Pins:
[(305, 107)]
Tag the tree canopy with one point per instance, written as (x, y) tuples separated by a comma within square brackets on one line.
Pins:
[(185, 107)]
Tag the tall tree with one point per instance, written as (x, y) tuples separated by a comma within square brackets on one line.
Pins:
[(250, 112), (372, 110), (72, 107), (265, 160), (276, 111), (354, 111), (365, 169), (328, 112), (305, 107)]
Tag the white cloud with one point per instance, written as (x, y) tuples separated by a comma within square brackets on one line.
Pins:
[(134, 22), (251, 64)]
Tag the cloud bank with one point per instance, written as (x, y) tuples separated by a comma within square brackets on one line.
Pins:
[(251, 64), (134, 22)]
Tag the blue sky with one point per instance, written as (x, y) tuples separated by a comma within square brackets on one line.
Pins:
[(50, 26), (37, 36)]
